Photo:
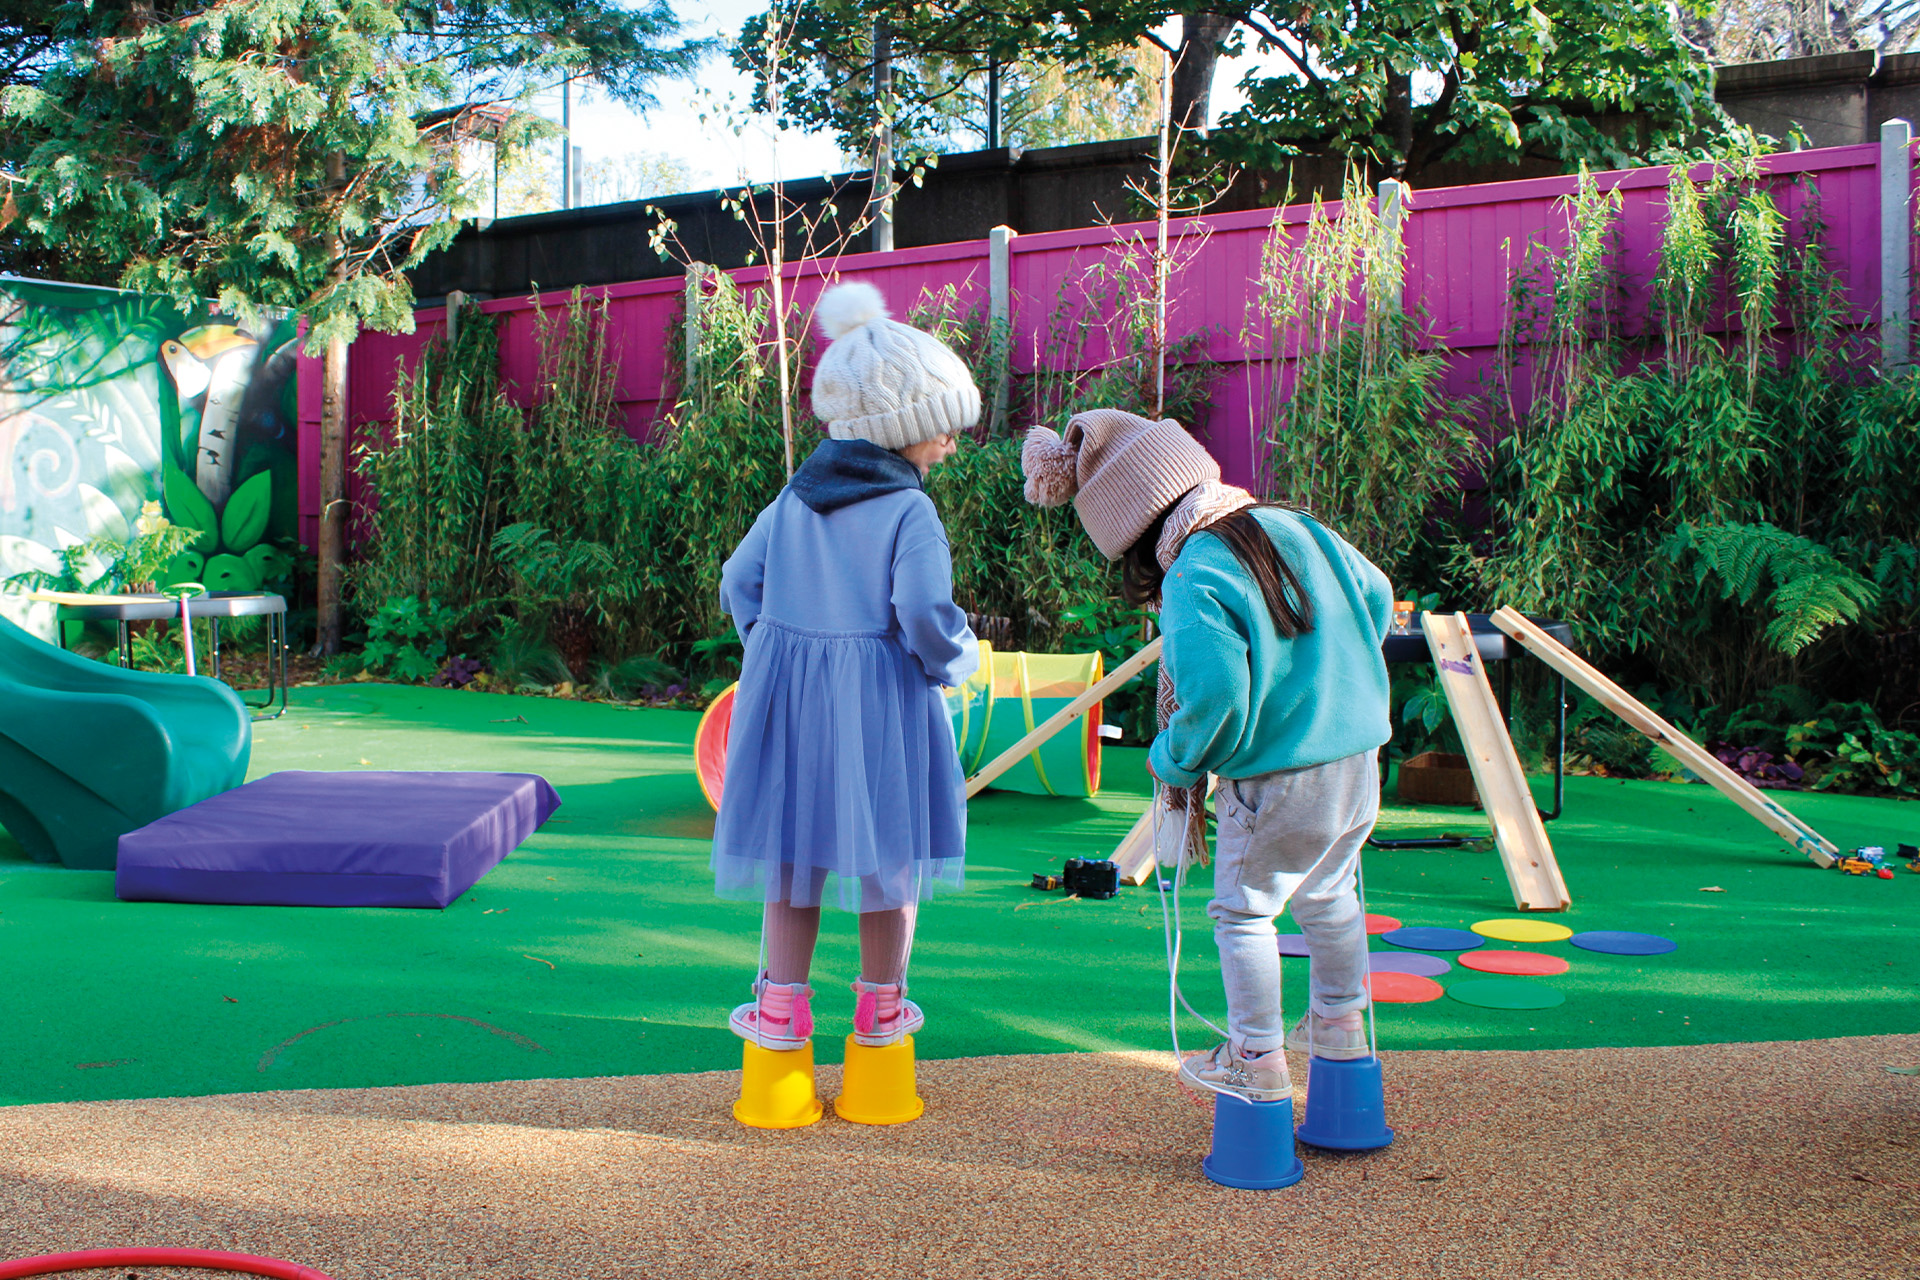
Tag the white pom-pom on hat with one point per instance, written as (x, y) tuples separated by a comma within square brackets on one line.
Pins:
[(846, 307), (1051, 466)]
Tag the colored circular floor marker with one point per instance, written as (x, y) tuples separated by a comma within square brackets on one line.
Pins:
[(1529, 964), (1381, 924), (1425, 939), (1414, 962), (1617, 942), (1505, 993), (1403, 988), (1522, 930), (1292, 944)]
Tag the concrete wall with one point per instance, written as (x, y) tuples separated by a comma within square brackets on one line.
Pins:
[(1836, 100)]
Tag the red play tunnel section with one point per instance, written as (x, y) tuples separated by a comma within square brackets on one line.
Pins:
[(710, 746)]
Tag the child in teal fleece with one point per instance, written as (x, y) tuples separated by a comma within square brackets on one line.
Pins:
[(1272, 680)]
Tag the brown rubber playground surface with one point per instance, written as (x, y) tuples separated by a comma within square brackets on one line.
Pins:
[(1796, 1159)]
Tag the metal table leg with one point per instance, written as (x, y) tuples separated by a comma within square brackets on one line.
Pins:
[(276, 676)]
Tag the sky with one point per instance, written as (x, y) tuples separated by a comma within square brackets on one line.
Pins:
[(714, 152)]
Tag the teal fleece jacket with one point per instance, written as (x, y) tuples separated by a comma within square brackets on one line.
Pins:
[(1251, 701)]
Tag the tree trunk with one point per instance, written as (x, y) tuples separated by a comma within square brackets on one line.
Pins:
[(332, 548), (1396, 119), (333, 497), (880, 204), (1200, 37)]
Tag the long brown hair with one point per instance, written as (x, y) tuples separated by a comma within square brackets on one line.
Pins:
[(1286, 599)]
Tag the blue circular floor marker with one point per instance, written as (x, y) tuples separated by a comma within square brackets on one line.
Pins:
[(1618, 942), (1292, 944), (1425, 939), (1420, 966)]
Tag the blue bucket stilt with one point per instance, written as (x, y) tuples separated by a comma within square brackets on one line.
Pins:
[(1252, 1144), (1346, 1107)]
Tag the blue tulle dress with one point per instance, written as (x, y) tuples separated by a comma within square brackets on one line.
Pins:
[(842, 778)]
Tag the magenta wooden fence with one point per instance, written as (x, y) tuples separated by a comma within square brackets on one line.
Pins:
[(1463, 244)]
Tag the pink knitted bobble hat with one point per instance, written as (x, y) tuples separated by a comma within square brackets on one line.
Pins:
[(1120, 470)]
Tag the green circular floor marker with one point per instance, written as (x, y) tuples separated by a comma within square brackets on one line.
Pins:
[(1505, 993)]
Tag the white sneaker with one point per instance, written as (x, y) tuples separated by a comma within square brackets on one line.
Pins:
[(1223, 1070), (1343, 1038), (749, 1022)]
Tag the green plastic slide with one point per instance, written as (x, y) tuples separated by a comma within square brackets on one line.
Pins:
[(89, 752)]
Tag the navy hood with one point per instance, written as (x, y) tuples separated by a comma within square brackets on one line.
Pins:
[(842, 472)]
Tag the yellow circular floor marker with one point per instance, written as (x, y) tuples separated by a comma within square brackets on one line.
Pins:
[(1522, 930)]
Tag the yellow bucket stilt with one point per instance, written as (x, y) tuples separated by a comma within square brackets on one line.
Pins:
[(878, 1085), (776, 1088)]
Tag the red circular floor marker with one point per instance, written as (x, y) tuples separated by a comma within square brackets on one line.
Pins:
[(1403, 988), (1381, 924), (49, 1264), (1524, 963)]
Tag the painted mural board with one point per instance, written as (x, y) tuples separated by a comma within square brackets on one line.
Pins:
[(111, 401)]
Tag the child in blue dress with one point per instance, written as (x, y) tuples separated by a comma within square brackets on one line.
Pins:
[(842, 776)]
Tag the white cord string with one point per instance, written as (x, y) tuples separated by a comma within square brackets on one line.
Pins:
[(1172, 930), (1172, 927), (1366, 976)]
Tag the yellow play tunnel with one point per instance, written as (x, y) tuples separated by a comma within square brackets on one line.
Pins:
[(1013, 693), (1010, 695)]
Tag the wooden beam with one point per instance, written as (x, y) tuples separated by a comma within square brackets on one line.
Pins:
[(1684, 749), (1135, 854), (1062, 718), (1532, 873)]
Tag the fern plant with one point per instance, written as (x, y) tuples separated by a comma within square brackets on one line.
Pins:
[(1811, 589)]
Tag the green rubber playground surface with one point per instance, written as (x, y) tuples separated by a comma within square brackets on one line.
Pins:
[(599, 949)]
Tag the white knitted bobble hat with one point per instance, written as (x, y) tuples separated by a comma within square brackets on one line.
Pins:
[(884, 381)]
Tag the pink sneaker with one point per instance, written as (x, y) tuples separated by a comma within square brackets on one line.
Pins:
[(882, 1015), (779, 1017)]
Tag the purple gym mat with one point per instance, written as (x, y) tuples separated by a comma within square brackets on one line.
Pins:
[(1422, 938), (1420, 966), (1292, 944), (300, 839), (1619, 942)]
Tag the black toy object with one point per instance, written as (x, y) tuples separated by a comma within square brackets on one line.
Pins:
[(1090, 878)]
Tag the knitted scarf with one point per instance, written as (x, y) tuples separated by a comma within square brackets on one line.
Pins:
[(1202, 506)]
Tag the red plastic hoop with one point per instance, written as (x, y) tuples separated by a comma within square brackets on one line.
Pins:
[(48, 1264)]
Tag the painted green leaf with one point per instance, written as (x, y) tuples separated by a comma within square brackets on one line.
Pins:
[(269, 563), (245, 519), (186, 567), (189, 508), (168, 402), (230, 573)]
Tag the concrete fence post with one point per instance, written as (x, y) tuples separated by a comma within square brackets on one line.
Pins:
[(1896, 243), (1388, 275), (696, 278), (455, 301), (1000, 316)]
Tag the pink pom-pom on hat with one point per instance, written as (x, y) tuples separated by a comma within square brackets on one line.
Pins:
[(1050, 465)]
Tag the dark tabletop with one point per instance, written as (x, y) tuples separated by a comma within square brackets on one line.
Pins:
[(1493, 644)]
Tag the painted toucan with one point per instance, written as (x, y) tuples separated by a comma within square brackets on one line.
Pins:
[(213, 361)]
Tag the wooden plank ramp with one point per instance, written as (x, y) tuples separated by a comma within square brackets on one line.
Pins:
[(1135, 853), (1532, 873), (1684, 749)]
